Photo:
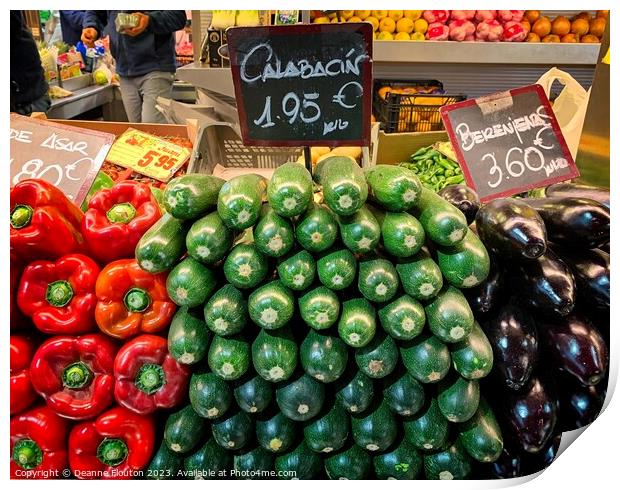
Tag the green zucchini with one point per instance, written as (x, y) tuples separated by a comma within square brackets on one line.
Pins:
[(290, 190), (209, 240), (301, 463), (240, 199), (336, 269), (420, 276), (297, 271), (355, 391), (253, 464), (458, 398), (376, 429), (184, 429), (328, 433), (443, 223), (233, 430), (323, 357), (449, 315), (229, 357), (316, 229), (395, 188), (190, 196), (344, 186), (190, 283), (210, 462), (254, 394), (165, 464), (428, 430), (226, 311), (402, 234), (426, 358), (188, 337), (403, 318), (452, 463), (379, 357), (403, 394), (163, 245), (464, 265), (481, 436), (357, 325), (275, 433), (377, 280), (352, 463), (245, 267), (273, 234), (319, 308), (402, 463), (473, 357), (360, 232), (301, 398), (209, 395), (274, 354), (272, 305)]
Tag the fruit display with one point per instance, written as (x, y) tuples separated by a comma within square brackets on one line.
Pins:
[(474, 25)]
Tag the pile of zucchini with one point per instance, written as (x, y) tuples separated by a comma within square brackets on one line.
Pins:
[(328, 334)]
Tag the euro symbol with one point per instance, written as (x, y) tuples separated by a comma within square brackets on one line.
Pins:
[(340, 97)]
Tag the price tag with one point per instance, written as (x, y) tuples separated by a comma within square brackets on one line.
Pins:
[(303, 85), (509, 142), (148, 154)]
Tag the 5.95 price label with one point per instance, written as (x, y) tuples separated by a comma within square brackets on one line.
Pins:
[(148, 154)]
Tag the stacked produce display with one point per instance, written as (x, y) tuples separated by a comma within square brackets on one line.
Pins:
[(348, 324)]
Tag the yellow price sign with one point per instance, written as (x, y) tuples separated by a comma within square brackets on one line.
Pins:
[(147, 154)]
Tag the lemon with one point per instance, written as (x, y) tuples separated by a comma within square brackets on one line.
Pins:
[(404, 25), (417, 36), (387, 24), (402, 36), (321, 20), (362, 14), (374, 21), (413, 14), (395, 14), (379, 14), (420, 26), (385, 36), (347, 14), (355, 18)]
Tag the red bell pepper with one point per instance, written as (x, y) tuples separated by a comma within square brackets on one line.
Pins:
[(147, 376), (22, 392), (131, 301), (60, 296), (44, 223), (18, 320), (117, 218), (75, 374), (38, 445), (116, 445)]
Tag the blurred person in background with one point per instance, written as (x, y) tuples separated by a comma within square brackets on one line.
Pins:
[(71, 25), (145, 56)]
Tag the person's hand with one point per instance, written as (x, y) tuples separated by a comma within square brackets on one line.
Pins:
[(89, 36), (143, 23)]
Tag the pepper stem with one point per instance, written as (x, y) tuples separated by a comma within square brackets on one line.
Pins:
[(150, 378), (59, 293), (27, 454), (21, 216), (121, 213), (112, 452), (137, 300), (76, 375)]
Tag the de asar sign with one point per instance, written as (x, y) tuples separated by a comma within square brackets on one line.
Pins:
[(303, 85), (509, 142)]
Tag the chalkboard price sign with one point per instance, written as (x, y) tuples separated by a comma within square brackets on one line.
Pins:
[(64, 156), (303, 85), (508, 142)]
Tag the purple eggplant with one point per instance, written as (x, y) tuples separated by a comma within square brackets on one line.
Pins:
[(487, 295), (567, 189), (591, 271), (573, 222), (513, 336), (547, 284), (512, 229), (579, 405), (532, 414), (533, 463), (464, 198), (508, 465), (577, 347)]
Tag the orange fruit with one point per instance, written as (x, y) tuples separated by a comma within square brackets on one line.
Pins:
[(379, 14), (570, 38), (420, 26), (321, 20), (532, 37), (374, 21), (404, 25), (362, 14), (602, 13), (597, 26), (413, 14), (542, 27), (527, 27), (387, 24), (582, 15), (580, 27), (355, 18), (590, 38), (347, 14), (551, 38), (560, 26), (532, 15), (396, 15)]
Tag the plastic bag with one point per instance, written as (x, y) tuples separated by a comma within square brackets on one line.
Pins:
[(569, 107)]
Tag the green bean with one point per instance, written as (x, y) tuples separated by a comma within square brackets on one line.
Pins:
[(449, 172), (457, 179)]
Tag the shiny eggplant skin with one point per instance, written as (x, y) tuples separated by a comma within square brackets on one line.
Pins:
[(511, 228), (532, 414), (567, 189), (464, 198), (513, 335), (533, 463), (591, 271), (508, 465), (577, 347), (487, 295), (574, 222), (547, 284), (579, 405)]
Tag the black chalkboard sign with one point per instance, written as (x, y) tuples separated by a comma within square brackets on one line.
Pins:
[(303, 85), (508, 142)]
